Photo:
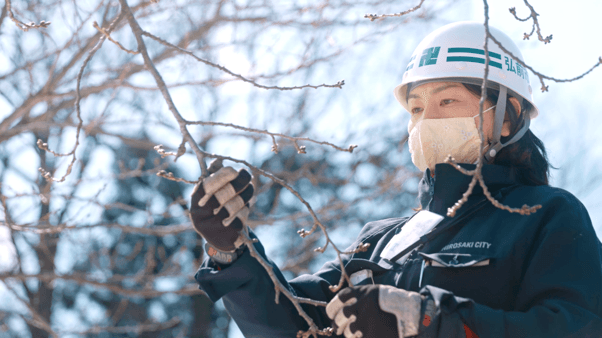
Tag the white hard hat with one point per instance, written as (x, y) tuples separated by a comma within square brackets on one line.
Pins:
[(455, 53)]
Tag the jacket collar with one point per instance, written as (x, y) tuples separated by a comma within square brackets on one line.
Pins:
[(440, 191)]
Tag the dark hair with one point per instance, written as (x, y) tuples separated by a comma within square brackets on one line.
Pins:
[(528, 155)]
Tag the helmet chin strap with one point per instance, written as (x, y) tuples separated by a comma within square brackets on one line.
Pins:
[(500, 113)]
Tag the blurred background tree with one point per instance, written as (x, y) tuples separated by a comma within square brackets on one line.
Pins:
[(110, 251)]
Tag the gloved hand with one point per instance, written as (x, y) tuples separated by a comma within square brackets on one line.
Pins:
[(220, 207), (377, 311)]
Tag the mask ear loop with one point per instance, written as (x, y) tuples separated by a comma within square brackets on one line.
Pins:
[(500, 113), (484, 111)]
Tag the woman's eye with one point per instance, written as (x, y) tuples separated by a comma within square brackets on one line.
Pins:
[(416, 110), (446, 102)]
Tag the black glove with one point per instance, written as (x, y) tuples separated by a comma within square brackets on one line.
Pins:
[(376, 311), (220, 215)]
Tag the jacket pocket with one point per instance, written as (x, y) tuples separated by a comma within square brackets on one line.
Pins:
[(455, 260), (362, 271), (474, 276)]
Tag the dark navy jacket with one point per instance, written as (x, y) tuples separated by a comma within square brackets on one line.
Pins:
[(501, 274)]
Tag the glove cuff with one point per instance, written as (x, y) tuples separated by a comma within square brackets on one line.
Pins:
[(225, 257), (428, 313), (405, 305)]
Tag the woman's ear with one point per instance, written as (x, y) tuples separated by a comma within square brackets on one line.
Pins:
[(516, 105), (506, 126)]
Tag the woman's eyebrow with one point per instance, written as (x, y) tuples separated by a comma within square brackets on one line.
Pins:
[(435, 91)]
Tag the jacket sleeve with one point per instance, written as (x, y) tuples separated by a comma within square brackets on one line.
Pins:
[(249, 296), (559, 296)]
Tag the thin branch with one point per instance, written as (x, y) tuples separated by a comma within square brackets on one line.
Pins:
[(108, 36), (300, 149), (141, 47), (317, 223), (38, 321), (44, 146), (24, 26), (524, 210), (164, 154), (541, 77), (125, 8), (137, 329), (373, 17), (280, 289), (477, 173), (533, 15), (544, 88), (130, 293), (171, 177), (3, 15), (158, 231), (339, 84)]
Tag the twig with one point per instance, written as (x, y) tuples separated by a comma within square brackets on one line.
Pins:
[(280, 289), (138, 329), (171, 177), (24, 26), (541, 77), (477, 173), (524, 210), (130, 293), (317, 223), (344, 276), (105, 33), (138, 32), (533, 15), (38, 321), (164, 154), (373, 17), (158, 231), (125, 8), (300, 149), (44, 146), (339, 84)]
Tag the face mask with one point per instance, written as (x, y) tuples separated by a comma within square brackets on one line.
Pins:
[(432, 140)]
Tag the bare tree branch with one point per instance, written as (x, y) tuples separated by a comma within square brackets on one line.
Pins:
[(44, 146), (125, 8), (226, 70), (137, 329), (108, 36), (279, 288), (158, 231), (24, 26), (300, 149), (130, 293), (38, 320), (533, 15), (171, 177), (373, 17)]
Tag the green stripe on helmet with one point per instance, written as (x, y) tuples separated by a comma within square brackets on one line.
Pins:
[(473, 51), (472, 59)]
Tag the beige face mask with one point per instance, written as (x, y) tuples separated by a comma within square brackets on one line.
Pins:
[(432, 140)]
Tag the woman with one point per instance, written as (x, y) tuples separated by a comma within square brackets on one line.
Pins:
[(484, 272)]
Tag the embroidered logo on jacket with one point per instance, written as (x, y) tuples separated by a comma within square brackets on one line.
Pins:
[(478, 245)]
